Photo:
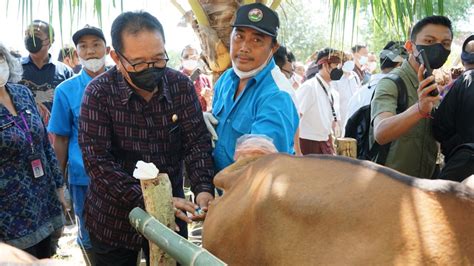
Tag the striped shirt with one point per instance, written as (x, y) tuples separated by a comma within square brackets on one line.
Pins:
[(118, 127)]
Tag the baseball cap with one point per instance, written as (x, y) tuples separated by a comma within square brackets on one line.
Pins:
[(87, 30), (395, 53), (258, 17)]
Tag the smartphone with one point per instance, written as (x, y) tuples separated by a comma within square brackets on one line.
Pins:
[(423, 59)]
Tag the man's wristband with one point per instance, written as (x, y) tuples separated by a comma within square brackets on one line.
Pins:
[(424, 115)]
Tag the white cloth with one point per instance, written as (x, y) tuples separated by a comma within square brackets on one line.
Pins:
[(315, 108), (347, 86), (362, 97), (284, 84)]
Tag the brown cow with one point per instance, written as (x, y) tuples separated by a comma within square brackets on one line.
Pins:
[(326, 210)]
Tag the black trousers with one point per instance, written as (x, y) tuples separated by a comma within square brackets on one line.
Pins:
[(42, 250)]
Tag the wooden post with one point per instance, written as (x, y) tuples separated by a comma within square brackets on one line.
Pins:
[(346, 147), (157, 194)]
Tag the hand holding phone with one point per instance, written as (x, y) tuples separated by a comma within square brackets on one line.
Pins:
[(423, 59)]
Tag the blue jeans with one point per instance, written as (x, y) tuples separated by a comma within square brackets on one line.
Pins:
[(78, 196)]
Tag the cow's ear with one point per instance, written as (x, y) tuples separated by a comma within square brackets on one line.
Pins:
[(226, 178)]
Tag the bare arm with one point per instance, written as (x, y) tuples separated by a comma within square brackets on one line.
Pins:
[(61, 147), (389, 127)]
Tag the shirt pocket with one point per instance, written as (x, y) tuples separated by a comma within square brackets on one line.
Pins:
[(175, 140), (242, 124)]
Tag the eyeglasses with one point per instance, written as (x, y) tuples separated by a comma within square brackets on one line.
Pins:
[(160, 63)]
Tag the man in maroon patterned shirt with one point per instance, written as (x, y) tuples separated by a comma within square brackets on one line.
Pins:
[(139, 110)]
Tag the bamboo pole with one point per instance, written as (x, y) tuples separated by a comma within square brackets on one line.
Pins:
[(346, 147), (185, 252), (158, 197), (179, 7)]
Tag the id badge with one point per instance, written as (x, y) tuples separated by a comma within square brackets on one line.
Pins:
[(36, 166)]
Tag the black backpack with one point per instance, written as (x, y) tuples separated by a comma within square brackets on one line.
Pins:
[(358, 125)]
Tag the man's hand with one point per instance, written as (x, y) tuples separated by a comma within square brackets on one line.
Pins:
[(425, 101), (62, 200), (182, 206), (203, 199), (211, 123)]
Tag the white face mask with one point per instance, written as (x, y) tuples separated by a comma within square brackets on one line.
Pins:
[(4, 73), (348, 66), (363, 60), (94, 64), (190, 64), (252, 73)]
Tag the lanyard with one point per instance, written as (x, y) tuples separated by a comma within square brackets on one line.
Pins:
[(331, 100), (25, 130)]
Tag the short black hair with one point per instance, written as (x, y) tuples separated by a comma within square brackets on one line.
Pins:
[(47, 27), (291, 57), (356, 48), (65, 52), (133, 22), (437, 20), (324, 53), (280, 56), (188, 47)]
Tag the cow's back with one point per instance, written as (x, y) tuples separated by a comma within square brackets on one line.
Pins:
[(283, 210)]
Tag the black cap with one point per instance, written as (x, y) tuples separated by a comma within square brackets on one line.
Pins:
[(470, 38), (258, 17), (87, 30), (395, 53)]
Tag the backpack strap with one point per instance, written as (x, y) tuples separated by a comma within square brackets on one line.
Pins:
[(402, 105), (402, 100)]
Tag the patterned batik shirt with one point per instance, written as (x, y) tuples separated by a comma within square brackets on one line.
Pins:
[(117, 128), (29, 207)]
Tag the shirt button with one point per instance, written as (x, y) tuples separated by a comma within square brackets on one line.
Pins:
[(228, 120)]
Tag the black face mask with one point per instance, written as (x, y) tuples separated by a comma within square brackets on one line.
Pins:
[(33, 47), (147, 79), (336, 74), (436, 53)]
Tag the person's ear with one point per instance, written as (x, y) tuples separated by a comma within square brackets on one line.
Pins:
[(115, 57), (409, 46), (107, 50), (275, 47)]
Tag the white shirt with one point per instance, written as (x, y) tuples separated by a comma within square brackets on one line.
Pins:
[(347, 86), (315, 108), (362, 97), (284, 84)]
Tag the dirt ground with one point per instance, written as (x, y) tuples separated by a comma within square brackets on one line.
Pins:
[(69, 252)]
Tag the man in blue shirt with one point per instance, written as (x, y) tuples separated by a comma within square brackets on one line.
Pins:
[(247, 99), (41, 74), (64, 123)]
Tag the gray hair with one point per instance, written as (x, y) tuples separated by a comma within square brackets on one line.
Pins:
[(14, 65)]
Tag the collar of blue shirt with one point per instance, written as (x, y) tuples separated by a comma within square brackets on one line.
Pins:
[(260, 76)]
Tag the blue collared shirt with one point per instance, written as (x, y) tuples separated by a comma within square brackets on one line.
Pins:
[(261, 108), (64, 121), (42, 82)]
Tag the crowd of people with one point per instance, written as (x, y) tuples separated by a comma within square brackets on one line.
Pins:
[(82, 124)]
